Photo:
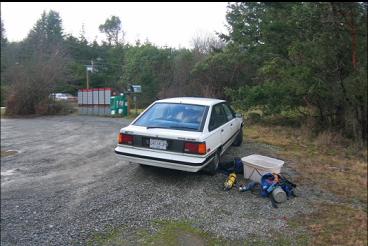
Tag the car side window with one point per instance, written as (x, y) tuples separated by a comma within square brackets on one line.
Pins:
[(231, 109), (228, 112), (218, 117)]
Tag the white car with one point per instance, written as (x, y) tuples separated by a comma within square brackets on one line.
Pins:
[(184, 133), (63, 97)]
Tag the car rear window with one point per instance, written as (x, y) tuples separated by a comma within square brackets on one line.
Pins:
[(187, 117)]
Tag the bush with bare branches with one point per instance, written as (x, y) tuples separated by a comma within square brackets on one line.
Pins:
[(32, 82)]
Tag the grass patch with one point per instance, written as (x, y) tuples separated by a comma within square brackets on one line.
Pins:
[(133, 114), (335, 224), (168, 232), (336, 165), (8, 153), (180, 233), (112, 237)]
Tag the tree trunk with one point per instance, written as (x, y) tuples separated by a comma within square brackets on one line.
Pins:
[(353, 40)]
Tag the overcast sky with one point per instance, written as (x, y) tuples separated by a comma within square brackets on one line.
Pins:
[(171, 24)]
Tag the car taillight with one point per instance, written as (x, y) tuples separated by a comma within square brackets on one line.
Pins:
[(195, 148), (125, 139)]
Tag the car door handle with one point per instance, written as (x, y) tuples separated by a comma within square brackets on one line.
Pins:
[(222, 130), (231, 124)]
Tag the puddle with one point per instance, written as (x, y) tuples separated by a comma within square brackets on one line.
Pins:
[(7, 153)]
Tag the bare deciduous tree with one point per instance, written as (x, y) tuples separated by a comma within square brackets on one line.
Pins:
[(205, 43), (33, 81)]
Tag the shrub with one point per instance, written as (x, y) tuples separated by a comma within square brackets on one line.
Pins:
[(32, 82), (253, 118)]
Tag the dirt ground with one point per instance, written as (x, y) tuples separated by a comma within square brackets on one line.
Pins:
[(65, 184)]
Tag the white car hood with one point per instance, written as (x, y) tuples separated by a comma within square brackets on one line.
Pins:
[(162, 133)]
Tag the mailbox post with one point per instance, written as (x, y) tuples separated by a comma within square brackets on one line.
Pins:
[(135, 90)]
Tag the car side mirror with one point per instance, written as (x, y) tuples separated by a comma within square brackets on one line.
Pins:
[(238, 115)]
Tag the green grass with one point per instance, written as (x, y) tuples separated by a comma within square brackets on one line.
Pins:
[(175, 232), (178, 232), (168, 233), (133, 114), (112, 237), (8, 153)]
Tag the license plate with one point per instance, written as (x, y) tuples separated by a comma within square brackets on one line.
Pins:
[(158, 144)]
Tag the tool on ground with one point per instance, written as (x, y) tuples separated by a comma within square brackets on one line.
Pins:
[(229, 183), (250, 186)]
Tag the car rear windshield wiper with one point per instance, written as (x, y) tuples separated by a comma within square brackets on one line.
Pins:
[(183, 127), (150, 127), (173, 127)]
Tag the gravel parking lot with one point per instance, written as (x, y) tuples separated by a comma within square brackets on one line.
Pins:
[(66, 183)]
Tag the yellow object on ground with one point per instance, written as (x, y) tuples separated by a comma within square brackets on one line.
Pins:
[(230, 181)]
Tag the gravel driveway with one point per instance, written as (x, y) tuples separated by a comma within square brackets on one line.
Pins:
[(66, 184)]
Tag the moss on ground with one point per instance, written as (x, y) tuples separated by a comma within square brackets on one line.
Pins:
[(5, 153), (169, 232)]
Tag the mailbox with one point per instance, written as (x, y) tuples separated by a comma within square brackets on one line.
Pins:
[(136, 88)]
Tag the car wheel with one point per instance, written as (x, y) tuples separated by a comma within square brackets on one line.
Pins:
[(239, 138), (212, 167)]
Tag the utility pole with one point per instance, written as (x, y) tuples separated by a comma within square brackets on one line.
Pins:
[(87, 77), (89, 67), (135, 104)]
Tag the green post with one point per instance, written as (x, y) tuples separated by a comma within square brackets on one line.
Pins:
[(125, 106)]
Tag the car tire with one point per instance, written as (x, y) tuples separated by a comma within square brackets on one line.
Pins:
[(214, 164), (239, 138)]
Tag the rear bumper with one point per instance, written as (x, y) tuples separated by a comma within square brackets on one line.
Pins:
[(185, 164)]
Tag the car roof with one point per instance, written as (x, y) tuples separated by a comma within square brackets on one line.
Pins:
[(192, 100)]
